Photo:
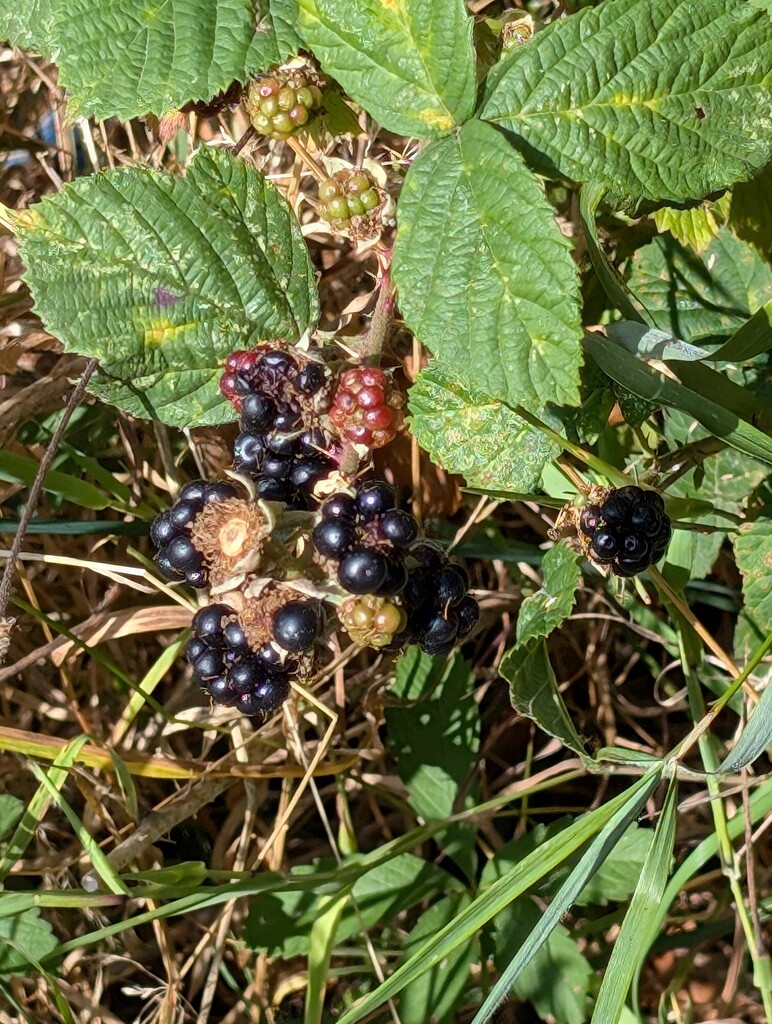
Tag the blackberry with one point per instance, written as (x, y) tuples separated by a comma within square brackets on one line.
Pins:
[(194, 648), (162, 529), (182, 555), (468, 613), (208, 622), (219, 690), (626, 529), (340, 506), (257, 413), (398, 527), (350, 201), (209, 665), (219, 490), (281, 103), (395, 579), (374, 498), (367, 407), (605, 546), (194, 492), (297, 625), (248, 452), (269, 695), (451, 584), (248, 674), (311, 379), (363, 570), (332, 538), (182, 514), (439, 633)]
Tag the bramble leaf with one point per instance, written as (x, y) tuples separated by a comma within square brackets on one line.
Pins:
[(701, 296), (658, 99), (24, 940), (753, 551), (30, 25), (534, 692), (551, 605), (485, 277), (124, 59), (160, 277), (409, 63), (474, 435)]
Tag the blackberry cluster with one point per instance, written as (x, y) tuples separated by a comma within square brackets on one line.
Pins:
[(367, 408), (439, 610), (281, 104), (280, 397), (373, 548), (627, 530), (229, 670), (349, 195), (259, 542), (178, 557), (235, 672), (366, 536)]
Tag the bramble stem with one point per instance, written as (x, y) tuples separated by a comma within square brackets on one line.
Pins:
[(307, 160)]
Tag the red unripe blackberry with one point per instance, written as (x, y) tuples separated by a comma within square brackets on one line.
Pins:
[(367, 407)]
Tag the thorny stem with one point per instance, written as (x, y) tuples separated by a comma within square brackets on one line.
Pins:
[(34, 493), (248, 134), (371, 345)]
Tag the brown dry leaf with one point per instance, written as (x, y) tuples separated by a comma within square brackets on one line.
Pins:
[(129, 622)]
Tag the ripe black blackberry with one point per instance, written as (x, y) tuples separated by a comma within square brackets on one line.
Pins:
[(229, 670), (367, 536), (179, 557), (298, 625), (626, 529), (280, 395), (439, 610)]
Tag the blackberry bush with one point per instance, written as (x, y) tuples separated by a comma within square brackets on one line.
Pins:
[(542, 314)]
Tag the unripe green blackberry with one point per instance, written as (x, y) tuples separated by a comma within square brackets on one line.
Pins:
[(372, 621), (279, 104), (350, 201)]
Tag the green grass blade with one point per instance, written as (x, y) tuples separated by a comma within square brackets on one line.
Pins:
[(19, 469), (633, 800), (320, 946), (494, 899), (98, 859), (646, 383), (38, 806), (628, 953)]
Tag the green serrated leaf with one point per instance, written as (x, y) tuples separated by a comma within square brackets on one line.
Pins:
[(417, 674), (559, 957), (657, 99), (753, 551), (407, 62), (25, 939), (435, 742), (435, 995), (118, 58), (694, 228), (533, 690), (693, 297), (488, 284), (550, 606), (160, 277), (30, 25), (474, 435)]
